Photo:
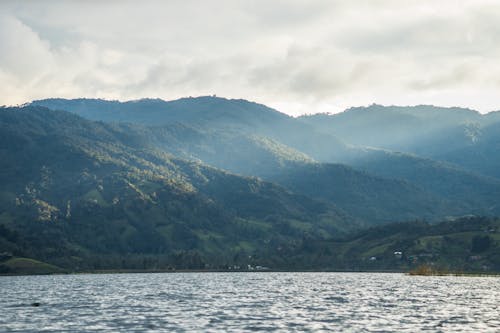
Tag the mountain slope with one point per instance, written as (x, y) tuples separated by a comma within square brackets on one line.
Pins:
[(212, 113), (238, 152), (73, 189), (372, 199), (480, 156), (464, 245), (471, 193), (391, 127), (460, 136), (275, 143), (199, 110), (137, 186)]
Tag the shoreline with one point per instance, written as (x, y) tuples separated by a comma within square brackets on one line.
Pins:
[(140, 271)]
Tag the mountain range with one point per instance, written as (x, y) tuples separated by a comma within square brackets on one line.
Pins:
[(210, 182)]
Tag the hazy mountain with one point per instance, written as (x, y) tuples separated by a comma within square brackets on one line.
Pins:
[(212, 113), (459, 136), (176, 180), (471, 193), (370, 198), (428, 131), (200, 110), (391, 127), (72, 188), (279, 148), (480, 156), (491, 118), (246, 154)]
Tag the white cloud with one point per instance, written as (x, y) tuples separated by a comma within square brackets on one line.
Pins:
[(23, 55), (297, 56)]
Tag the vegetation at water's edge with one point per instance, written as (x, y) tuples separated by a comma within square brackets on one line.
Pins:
[(431, 270), (466, 245), (28, 266)]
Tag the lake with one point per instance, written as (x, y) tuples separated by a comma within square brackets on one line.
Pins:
[(369, 302)]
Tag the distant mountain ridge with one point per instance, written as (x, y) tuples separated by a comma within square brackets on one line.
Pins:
[(160, 112), (240, 146), (207, 112), (236, 146), (209, 180), (390, 127)]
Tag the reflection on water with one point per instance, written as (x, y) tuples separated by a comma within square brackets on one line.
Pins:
[(249, 301)]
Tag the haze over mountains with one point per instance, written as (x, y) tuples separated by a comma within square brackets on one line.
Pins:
[(208, 177), (434, 149)]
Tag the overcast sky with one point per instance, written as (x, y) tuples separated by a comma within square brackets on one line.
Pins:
[(297, 56)]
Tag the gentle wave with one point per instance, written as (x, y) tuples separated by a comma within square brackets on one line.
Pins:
[(214, 302)]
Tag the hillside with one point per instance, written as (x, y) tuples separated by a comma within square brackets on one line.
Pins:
[(464, 245), (391, 127), (209, 113), (481, 156), (199, 110), (278, 148), (241, 153), (471, 192), (373, 199), (209, 182), (73, 191), (462, 137)]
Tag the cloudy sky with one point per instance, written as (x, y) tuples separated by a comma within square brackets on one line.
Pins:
[(297, 56)]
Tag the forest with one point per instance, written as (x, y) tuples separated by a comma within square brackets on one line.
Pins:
[(217, 184)]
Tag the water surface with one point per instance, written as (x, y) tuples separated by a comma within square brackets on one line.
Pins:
[(349, 302)]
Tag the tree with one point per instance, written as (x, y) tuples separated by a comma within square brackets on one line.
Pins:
[(480, 243)]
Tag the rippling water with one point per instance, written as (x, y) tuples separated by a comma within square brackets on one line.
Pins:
[(217, 302)]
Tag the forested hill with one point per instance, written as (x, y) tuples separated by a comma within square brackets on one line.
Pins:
[(446, 158), (466, 245), (210, 181), (199, 110), (72, 189)]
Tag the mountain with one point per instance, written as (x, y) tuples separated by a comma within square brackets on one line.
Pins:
[(394, 186), (208, 112), (391, 127), (471, 193), (241, 153), (212, 182), (373, 199), (458, 136), (75, 191), (364, 196), (450, 152), (482, 155), (200, 110)]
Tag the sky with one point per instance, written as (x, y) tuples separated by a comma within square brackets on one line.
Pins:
[(300, 57)]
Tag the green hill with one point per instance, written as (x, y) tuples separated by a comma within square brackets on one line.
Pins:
[(73, 192), (391, 127), (372, 199), (464, 245), (393, 186), (471, 193), (151, 184), (28, 266)]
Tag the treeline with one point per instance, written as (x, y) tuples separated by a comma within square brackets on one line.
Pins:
[(467, 244)]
